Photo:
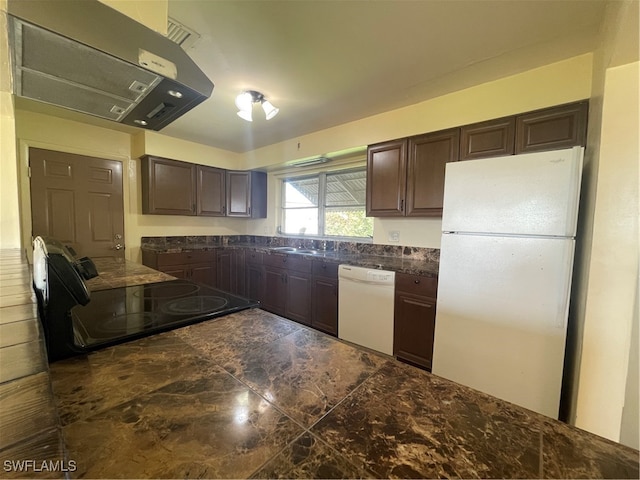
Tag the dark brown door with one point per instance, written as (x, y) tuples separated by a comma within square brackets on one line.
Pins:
[(298, 303), (428, 156), (238, 194), (275, 290), (325, 305), (493, 138), (552, 128), (414, 327), (78, 201), (211, 192), (204, 273), (254, 288), (386, 179), (168, 186)]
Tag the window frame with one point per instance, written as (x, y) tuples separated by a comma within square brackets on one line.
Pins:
[(322, 196)]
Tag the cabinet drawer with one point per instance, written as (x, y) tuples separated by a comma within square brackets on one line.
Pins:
[(322, 268), (290, 262), (181, 258), (417, 285)]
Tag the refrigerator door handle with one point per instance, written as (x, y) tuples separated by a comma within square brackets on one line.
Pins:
[(563, 311)]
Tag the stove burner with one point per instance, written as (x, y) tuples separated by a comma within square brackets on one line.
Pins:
[(122, 324), (168, 290), (194, 305)]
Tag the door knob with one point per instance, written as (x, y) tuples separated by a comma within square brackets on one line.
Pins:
[(118, 246)]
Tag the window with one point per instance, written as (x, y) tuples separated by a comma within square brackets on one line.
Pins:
[(326, 204)]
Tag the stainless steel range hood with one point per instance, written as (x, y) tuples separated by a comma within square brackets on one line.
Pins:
[(85, 56)]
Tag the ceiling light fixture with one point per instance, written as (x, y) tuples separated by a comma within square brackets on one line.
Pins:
[(245, 102)]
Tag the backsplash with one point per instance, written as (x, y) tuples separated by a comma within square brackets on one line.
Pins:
[(211, 241)]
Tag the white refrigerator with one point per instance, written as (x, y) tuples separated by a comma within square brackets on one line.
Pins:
[(506, 261)]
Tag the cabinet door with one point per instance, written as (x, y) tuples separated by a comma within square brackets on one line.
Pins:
[(275, 290), (254, 287), (414, 326), (168, 187), (178, 271), (386, 179), (552, 128), (204, 273), (211, 192), (325, 305), (493, 138), (428, 155), (226, 270), (298, 301), (246, 194)]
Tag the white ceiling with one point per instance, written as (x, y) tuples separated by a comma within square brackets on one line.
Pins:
[(324, 63)]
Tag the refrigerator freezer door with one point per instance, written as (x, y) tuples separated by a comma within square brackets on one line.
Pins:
[(501, 316), (532, 194)]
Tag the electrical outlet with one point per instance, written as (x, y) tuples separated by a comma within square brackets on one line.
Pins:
[(394, 236)]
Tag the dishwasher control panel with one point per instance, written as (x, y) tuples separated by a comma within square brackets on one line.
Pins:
[(366, 275)]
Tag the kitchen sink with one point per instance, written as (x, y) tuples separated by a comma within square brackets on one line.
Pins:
[(306, 251)]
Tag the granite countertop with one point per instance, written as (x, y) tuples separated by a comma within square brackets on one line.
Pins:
[(401, 264), (118, 272)]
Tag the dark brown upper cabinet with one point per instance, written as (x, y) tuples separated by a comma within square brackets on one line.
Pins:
[(168, 186), (246, 194), (386, 179), (405, 178), (211, 192), (428, 156), (553, 128), (172, 187), (493, 138)]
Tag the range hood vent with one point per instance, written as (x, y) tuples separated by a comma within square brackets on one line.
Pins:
[(87, 57), (181, 34)]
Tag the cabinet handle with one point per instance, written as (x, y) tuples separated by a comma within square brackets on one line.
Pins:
[(417, 282), (402, 205)]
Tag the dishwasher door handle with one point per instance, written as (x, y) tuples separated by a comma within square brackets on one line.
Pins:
[(364, 282)]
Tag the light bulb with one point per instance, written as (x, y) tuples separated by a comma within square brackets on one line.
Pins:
[(269, 110), (245, 115)]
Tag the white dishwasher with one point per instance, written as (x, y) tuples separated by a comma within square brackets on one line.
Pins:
[(365, 307)]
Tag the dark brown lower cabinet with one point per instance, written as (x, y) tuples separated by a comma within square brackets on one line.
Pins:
[(298, 302), (324, 297), (414, 319), (254, 276), (275, 290), (197, 266), (230, 270), (287, 287)]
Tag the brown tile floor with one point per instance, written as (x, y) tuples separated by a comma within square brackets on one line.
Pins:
[(255, 395)]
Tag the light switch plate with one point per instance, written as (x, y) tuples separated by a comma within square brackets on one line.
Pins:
[(394, 236)]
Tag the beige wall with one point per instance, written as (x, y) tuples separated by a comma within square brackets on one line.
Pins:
[(613, 268), (9, 211), (593, 405), (152, 13)]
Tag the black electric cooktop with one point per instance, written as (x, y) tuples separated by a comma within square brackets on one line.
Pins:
[(122, 314)]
